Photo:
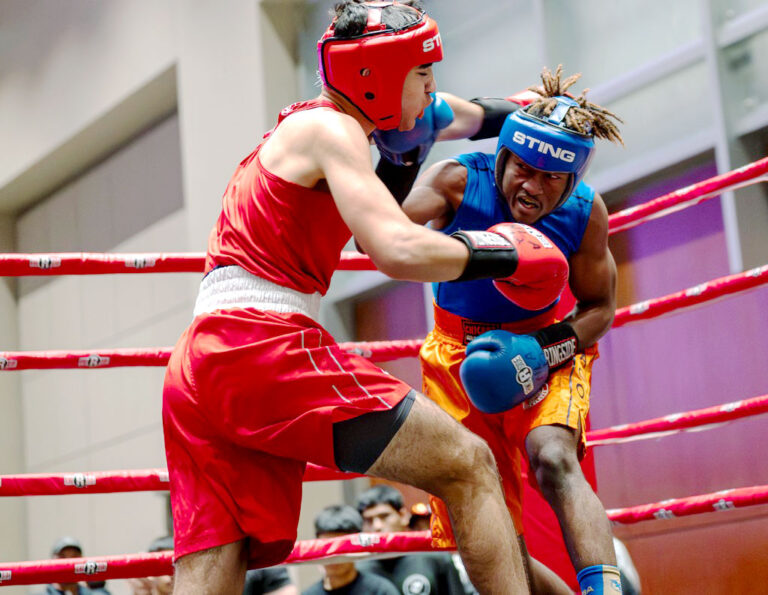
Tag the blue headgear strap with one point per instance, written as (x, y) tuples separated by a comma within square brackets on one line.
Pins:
[(546, 144)]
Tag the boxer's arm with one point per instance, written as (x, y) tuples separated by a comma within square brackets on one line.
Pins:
[(593, 279), (398, 247), (481, 117), (436, 194), (467, 118)]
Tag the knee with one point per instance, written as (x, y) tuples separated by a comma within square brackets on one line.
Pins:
[(555, 465), (472, 465)]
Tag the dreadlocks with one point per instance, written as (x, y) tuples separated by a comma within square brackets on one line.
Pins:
[(587, 118)]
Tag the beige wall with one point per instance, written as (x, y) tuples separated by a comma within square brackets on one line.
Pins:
[(127, 117), (13, 519), (66, 63), (94, 420)]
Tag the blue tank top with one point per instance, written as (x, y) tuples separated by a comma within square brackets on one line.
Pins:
[(482, 207)]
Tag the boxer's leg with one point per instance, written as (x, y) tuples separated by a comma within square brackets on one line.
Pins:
[(215, 571), (434, 452)]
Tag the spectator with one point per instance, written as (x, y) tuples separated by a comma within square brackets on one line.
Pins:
[(155, 585), (269, 581), (69, 547), (383, 511), (344, 578), (420, 514), (272, 581)]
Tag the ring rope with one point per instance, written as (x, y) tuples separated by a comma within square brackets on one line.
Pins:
[(693, 296), (350, 547), (381, 351), (689, 196), (376, 351), (144, 480), (99, 263), (677, 507), (90, 263), (112, 482), (344, 548), (140, 565), (701, 419)]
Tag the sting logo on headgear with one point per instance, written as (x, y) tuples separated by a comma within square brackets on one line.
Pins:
[(546, 144), (370, 69), (543, 147)]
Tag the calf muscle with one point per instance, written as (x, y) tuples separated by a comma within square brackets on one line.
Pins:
[(215, 571)]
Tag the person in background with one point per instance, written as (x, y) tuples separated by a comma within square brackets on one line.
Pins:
[(420, 515), (269, 581), (383, 511), (155, 585), (69, 547), (343, 578)]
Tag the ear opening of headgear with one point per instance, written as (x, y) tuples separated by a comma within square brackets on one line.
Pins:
[(546, 144), (370, 69)]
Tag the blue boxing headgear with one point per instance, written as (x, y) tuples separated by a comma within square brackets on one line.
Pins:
[(546, 144)]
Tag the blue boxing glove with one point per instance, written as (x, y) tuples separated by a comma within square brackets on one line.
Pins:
[(503, 369), (412, 146)]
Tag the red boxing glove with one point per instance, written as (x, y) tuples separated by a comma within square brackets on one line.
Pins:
[(542, 270)]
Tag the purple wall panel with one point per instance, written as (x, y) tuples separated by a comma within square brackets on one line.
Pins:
[(712, 354)]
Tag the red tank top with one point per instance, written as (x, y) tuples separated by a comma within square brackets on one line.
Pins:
[(278, 230)]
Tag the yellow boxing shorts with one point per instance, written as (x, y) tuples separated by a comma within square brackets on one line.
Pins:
[(563, 400)]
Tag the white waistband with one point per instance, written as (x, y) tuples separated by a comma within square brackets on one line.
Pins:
[(234, 287)]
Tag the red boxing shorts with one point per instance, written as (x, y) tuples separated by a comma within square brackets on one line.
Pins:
[(249, 398)]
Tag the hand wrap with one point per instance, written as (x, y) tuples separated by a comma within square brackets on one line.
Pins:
[(496, 110)]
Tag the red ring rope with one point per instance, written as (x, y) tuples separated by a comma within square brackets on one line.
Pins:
[(376, 351), (688, 196), (348, 547), (111, 482), (677, 507), (85, 263), (677, 422), (141, 480), (93, 263), (380, 351), (155, 564), (693, 296)]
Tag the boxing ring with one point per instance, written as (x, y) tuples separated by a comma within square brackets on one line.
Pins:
[(357, 546)]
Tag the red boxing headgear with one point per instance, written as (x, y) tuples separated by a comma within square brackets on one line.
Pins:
[(370, 69)]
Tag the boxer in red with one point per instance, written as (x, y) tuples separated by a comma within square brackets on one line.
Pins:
[(256, 388)]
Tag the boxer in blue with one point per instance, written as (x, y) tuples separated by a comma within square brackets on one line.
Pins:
[(524, 385)]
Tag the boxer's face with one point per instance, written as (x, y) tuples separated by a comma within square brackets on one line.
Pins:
[(419, 83), (531, 193)]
